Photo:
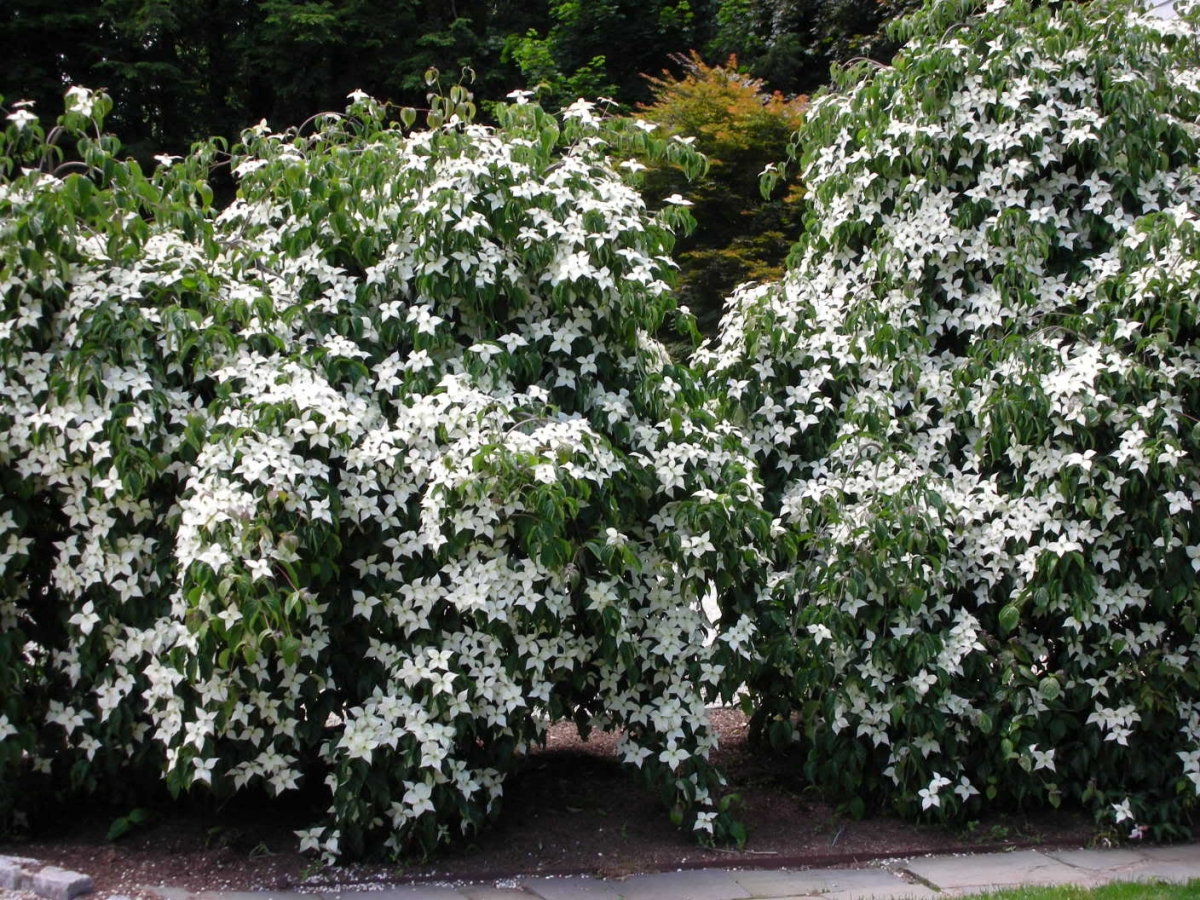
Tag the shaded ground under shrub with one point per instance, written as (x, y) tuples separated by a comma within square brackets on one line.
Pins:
[(570, 810)]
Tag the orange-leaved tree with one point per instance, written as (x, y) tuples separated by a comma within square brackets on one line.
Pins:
[(742, 129)]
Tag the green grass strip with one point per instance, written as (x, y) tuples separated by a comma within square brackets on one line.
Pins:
[(1117, 890)]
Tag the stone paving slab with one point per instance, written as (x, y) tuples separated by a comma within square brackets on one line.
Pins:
[(494, 892), (833, 884), (918, 879), (383, 892), (701, 884), (19, 873), (996, 870), (400, 892), (174, 893), (569, 888), (1098, 860), (1186, 854), (1179, 863)]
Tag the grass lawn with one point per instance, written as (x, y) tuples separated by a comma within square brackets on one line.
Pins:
[(1126, 890)]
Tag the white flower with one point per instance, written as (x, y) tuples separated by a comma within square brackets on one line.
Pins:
[(678, 200), (965, 789), (697, 544), (310, 839), (673, 756), (582, 110), (820, 633), (1121, 811), (636, 755), (246, 167), (204, 769), (418, 798), (6, 728), (86, 619), (929, 795), (1043, 759), (80, 100), (1177, 501), (259, 568), (22, 118), (922, 682)]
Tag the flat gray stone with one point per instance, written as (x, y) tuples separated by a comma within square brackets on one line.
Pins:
[(167, 893), (1186, 854), (1098, 860), (836, 884), (570, 888), (988, 870), (400, 892), (493, 892), (699, 884), (14, 871), (54, 883)]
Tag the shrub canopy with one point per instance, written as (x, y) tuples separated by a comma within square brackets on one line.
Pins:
[(364, 478), (974, 400)]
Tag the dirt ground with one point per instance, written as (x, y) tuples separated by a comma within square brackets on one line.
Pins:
[(571, 810)]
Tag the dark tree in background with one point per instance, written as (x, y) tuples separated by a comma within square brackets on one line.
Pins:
[(604, 47), (791, 44), (182, 70), (47, 45)]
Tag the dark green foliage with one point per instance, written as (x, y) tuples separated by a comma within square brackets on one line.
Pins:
[(179, 72), (791, 44)]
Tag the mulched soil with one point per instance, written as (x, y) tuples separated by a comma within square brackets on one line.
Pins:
[(570, 810)]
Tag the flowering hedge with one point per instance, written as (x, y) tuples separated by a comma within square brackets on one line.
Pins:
[(974, 401), (363, 479)]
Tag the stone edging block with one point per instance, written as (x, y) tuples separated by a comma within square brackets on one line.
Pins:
[(12, 871), (20, 874)]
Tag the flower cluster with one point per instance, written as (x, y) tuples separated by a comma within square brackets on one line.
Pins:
[(973, 402)]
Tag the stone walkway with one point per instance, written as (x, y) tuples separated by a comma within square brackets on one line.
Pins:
[(925, 877)]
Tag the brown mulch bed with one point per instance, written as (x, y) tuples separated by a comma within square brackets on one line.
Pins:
[(570, 810)]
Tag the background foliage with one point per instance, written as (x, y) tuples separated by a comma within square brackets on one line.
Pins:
[(184, 71), (742, 130)]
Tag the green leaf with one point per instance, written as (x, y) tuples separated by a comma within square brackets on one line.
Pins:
[(780, 734), (1049, 688)]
